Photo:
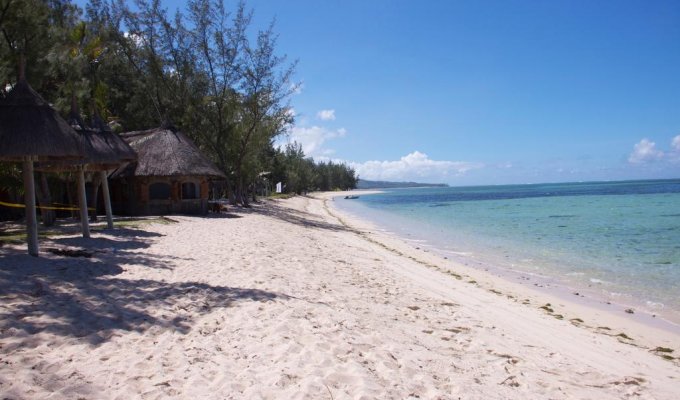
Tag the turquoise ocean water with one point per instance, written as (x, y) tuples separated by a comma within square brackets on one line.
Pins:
[(619, 239)]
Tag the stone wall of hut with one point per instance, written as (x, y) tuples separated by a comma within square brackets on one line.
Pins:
[(160, 195)]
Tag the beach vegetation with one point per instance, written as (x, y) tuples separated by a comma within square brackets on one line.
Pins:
[(301, 174), (455, 275), (206, 68), (17, 235), (547, 307), (663, 350)]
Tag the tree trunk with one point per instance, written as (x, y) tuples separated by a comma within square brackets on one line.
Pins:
[(45, 200), (241, 196)]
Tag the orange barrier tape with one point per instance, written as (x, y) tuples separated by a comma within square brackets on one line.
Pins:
[(15, 205)]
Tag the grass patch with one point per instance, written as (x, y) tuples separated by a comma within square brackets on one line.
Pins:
[(18, 236), (275, 196), (623, 335), (140, 222), (12, 237)]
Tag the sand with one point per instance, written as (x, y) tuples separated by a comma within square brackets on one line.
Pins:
[(292, 300)]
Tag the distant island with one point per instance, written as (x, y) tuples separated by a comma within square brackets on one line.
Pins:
[(364, 184)]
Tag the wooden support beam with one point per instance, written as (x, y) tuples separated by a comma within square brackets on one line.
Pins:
[(107, 199), (82, 199), (29, 200)]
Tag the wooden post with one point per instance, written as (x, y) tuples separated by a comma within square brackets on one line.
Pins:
[(107, 199), (29, 201), (82, 199)]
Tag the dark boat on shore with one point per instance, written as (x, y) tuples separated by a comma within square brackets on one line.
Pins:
[(351, 197)]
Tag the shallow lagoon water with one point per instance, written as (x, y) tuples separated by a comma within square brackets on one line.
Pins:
[(621, 239)]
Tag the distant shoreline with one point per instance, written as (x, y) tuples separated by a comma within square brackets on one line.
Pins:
[(369, 185)]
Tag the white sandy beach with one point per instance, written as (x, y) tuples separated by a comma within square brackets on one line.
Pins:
[(291, 300)]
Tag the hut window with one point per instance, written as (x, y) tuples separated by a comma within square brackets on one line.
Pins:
[(159, 191), (189, 190)]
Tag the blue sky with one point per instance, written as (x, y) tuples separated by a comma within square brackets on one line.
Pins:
[(485, 92)]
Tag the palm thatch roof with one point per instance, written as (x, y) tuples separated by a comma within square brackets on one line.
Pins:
[(104, 150), (165, 151), (30, 127)]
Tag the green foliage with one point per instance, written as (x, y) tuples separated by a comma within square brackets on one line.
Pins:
[(10, 178), (300, 174), (219, 80)]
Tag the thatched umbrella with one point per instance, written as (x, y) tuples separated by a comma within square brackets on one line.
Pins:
[(104, 151), (31, 130), (120, 151)]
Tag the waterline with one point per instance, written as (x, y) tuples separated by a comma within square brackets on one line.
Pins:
[(619, 241)]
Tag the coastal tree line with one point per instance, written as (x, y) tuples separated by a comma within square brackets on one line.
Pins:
[(205, 69), (302, 174)]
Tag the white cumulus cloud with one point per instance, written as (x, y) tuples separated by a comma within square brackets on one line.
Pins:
[(414, 166), (313, 138), (675, 143), (326, 115), (645, 151)]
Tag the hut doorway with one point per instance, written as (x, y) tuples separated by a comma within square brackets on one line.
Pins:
[(190, 190)]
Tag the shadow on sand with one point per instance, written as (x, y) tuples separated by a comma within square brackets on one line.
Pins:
[(86, 298), (286, 214)]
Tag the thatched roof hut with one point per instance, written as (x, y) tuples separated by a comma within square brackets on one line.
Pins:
[(30, 127), (171, 175), (165, 151), (103, 149), (31, 130)]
